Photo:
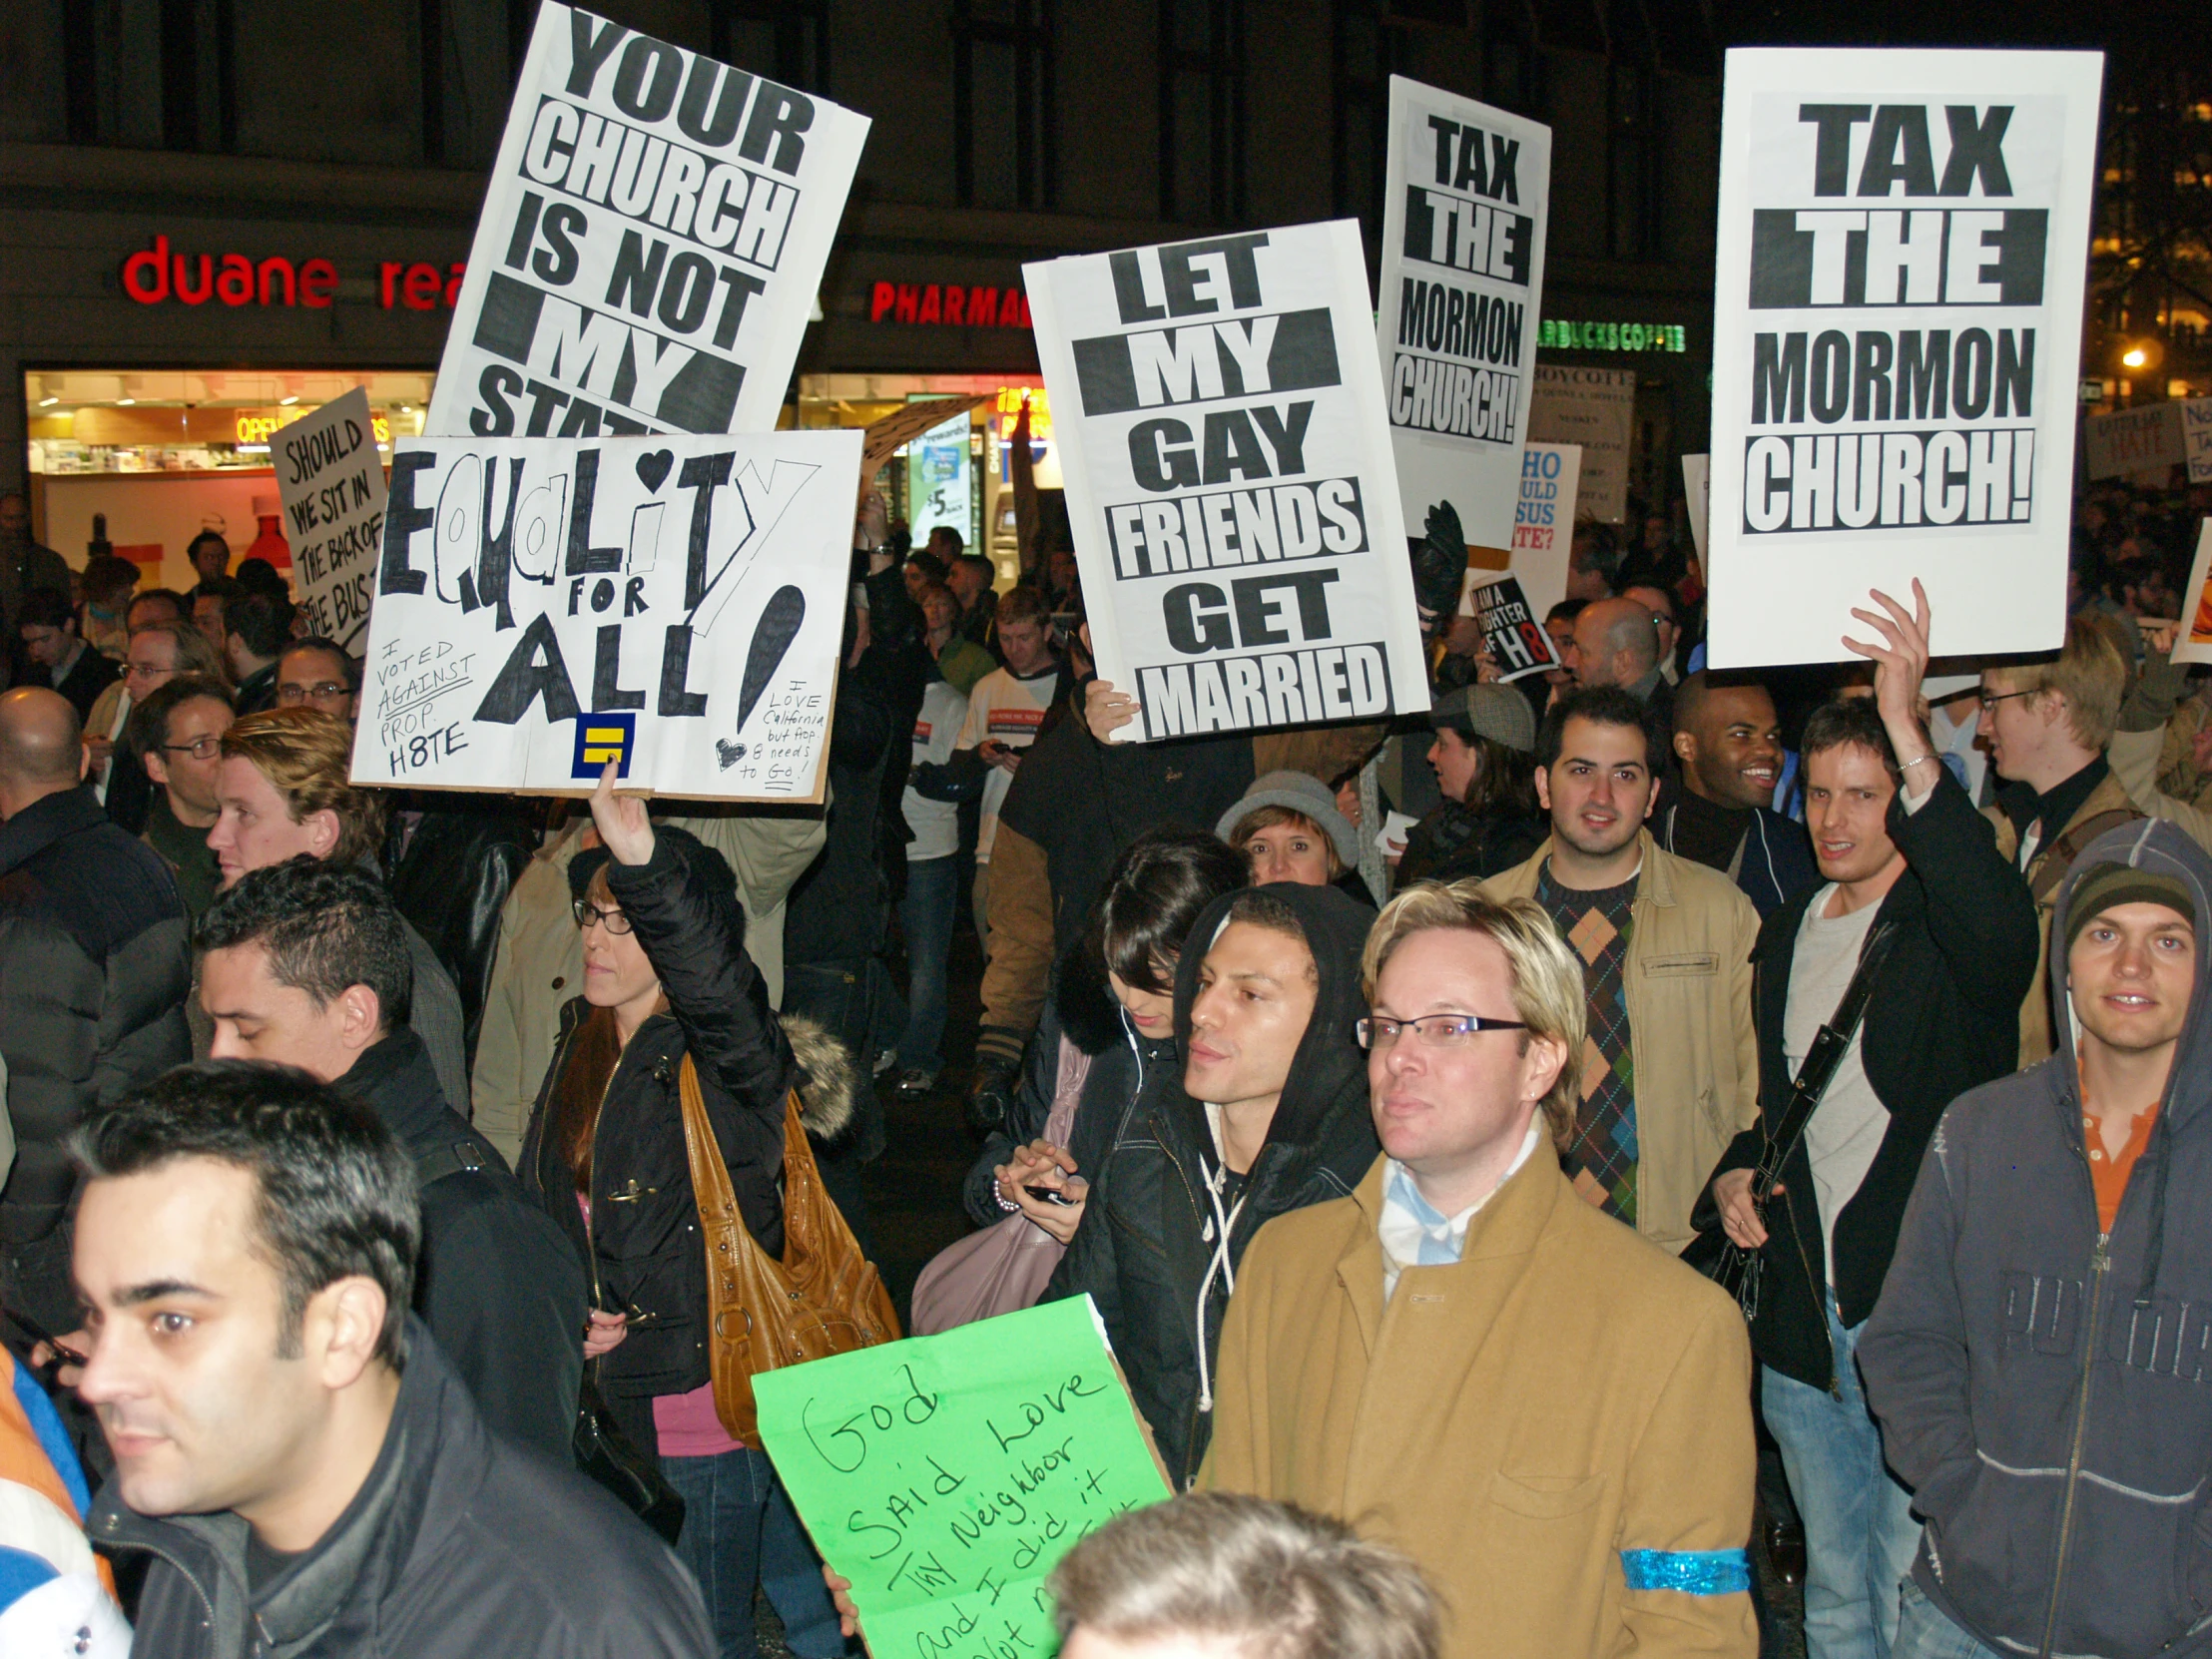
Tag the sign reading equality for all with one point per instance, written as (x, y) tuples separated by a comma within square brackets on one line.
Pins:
[(1218, 407), (671, 605), (332, 481), (1463, 222), (946, 1475), (1902, 242), (650, 246)]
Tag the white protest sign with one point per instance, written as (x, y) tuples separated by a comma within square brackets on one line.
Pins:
[(1902, 240), (674, 605), (1544, 523), (2196, 438), (1463, 222), (2145, 439), (2195, 641), (1219, 407), (331, 480), (1697, 487), (650, 246), (1595, 408)]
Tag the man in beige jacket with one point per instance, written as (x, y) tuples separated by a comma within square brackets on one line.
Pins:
[(1465, 1362), (1670, 1073)]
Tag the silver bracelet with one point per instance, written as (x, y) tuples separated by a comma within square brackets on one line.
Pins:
[(1915, 761)]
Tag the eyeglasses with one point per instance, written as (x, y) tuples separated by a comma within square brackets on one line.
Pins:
[(315, 693), (199, 749), (612, 921), (1989, 700), (1435, 1030)]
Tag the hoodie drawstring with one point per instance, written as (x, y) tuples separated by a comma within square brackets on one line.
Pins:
[(1217, 1231)]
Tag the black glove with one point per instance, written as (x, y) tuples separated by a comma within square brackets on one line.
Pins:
[(990, 1097), (1439, 566)]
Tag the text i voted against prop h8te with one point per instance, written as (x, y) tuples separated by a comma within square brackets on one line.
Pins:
[(1902, 245)]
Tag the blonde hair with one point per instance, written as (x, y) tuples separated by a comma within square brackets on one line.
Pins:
[(1547, 975), (2090, 673), (307, 757)]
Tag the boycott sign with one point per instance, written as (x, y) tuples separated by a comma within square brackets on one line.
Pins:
[(671, 605), (1218, 407), (332, 483), (1901, 244), (1462, 274), (946, 1476), (1510, 632), (1594, 409), (2146, 440), (650, 245)]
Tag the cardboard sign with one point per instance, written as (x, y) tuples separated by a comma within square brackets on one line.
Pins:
[(2149, 440), (1902, 240), (1219, 409), (907, 423), (673, 605), (1463, 218), (2195, 643), (651, 242), (2196, 438), (946, 1475), (1697, 489), (1512, 631), (1595, 408), (331, 480)]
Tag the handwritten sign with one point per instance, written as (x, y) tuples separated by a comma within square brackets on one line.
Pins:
[(946, 1475), (332, 483), (2149, 440), (674, 605), (2196, 436)]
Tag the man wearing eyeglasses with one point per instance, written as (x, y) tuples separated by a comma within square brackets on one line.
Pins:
[(1464, 1360), (177, 734), (2047, 725), (317, 671)]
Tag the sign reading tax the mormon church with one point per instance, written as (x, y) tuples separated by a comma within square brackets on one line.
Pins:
[(1219, 404)]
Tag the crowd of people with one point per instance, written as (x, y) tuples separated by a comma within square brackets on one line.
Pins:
[(350, 1234)]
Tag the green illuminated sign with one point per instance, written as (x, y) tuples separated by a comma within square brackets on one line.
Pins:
[(1611, 336)]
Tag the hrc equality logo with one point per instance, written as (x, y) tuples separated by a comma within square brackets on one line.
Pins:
[(604, 737)]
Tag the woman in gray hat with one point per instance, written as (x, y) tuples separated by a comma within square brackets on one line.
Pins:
[(1290, 828), (1484, 760)]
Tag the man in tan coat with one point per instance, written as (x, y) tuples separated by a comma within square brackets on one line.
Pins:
[(1466, 1361), (1670, 1073)]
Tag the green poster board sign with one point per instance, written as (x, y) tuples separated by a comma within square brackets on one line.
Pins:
[(946, 1475)]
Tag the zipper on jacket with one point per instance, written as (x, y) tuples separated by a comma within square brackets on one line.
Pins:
[(2101, 1263), (185, 1573)]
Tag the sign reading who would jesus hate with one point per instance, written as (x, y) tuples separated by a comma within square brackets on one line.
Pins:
[(1902, 242), (1219, 404), (650, 246)]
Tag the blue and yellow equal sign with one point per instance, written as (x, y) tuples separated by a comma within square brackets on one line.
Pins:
[(604, 737)]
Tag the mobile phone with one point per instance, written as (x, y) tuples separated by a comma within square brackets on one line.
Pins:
[(1049, 1195)]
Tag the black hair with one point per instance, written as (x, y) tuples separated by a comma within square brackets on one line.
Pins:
[(1258, 907), (1566, 609), (337, 1195), (1601, 706), (262, 620), (106, 575), (928, 563), (1843, 722), (979, 561), (257, 574), (323, 642), (148, 729), (168, 595), (219, 587), (1153, 894), (952, 535), (326, 926), (192, 548), (44, 608), (1601, 552)]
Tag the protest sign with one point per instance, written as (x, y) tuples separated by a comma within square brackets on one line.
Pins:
[(2195, 643), (946, 1475), (332, 481), (2149, 440), (902, 425), (1595, 408), (1903, 238), (650, 245), (1697, 488), (1511, 631), (2196, 438), (674, 605), (1463, 222), (1544, 523), (1219, 410)]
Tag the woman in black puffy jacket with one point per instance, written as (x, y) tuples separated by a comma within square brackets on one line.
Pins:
[(666, 975)]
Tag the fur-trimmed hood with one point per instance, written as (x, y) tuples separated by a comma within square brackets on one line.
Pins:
[(829, 1077)]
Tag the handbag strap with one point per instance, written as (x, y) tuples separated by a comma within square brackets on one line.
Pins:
[(711, 1186), (1823, 1060)]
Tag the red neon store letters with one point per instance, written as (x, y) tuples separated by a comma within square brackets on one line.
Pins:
[(154, 275)]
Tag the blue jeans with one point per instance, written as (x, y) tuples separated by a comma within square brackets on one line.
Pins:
[(741, 1533), (1925, 1632), (1860, 1534), (926, 915)]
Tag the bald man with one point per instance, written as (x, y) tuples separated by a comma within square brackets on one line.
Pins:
[(1616, 643), (1729, 744), (94, 972)]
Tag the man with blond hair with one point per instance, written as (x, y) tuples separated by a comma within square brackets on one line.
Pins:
[(285, 787), (2047, 725), (1466, 1361)]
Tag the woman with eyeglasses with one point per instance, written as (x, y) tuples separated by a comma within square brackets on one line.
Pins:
[(666, 976)]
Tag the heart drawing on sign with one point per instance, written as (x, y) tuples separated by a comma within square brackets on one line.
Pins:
[(772, 637), (653, 468)]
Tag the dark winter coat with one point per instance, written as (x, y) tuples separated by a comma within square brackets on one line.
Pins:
[(496, 1280), (1945, 1018), (459, 1545), (2046, 1388), (1146, 1249), (1452, 843), (94, 972), (452, 881)]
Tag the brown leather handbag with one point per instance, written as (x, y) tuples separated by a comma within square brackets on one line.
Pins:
[(823, 1297)]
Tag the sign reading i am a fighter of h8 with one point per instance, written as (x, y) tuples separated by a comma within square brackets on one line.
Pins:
[(1219, 405), (1462, 277), (1903, 244), (650, 246), (671, 605)]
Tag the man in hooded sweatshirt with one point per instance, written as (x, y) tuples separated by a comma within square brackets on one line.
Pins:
[(1272, 1116), (2038, 1359)]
